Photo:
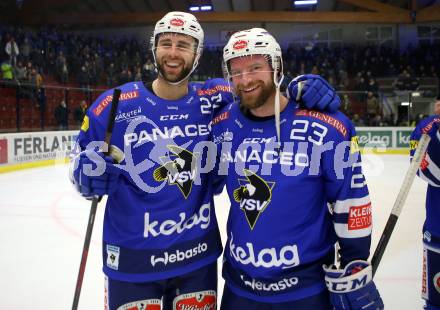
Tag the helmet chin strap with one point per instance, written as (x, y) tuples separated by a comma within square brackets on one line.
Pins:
[(277, 106)]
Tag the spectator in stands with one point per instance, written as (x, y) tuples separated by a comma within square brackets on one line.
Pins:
[(377, 121), (111, 79), (360, 83), (373, 86), (98, 54), (357, 121), (62, 70), (41, 99), (421, 71), (61, 115), (138, 74), (25, 50), (343, 80), (345, 105), (405, 81), (12, 50), (432, 71), (99, 66), (373, 107), (20, 72), (84, 78), (35, 80), (80, 112), (123, 77), (7, 71), (147, 70)]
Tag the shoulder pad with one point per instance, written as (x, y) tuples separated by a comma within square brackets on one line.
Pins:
[(427, 123), (336, 120), (213, 86), (129, 91)]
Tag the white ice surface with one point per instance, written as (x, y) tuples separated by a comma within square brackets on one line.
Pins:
[(43, 222)]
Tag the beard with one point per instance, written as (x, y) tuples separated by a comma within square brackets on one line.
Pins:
[(258, 99), (173, 78)]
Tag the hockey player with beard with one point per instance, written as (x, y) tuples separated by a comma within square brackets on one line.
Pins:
[(430, 172), (160, 238), (296, 187)]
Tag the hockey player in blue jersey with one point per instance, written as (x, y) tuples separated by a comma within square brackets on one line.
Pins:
[(296, 187), (430, 172), (160, 238)]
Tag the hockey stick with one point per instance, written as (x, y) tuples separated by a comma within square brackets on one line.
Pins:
[(96, 199), (399, 202)]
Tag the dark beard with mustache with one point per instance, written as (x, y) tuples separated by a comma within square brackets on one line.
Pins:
[(256, 102), (186, 70)]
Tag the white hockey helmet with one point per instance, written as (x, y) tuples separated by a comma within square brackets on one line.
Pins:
[(183, 23), (255, 41)]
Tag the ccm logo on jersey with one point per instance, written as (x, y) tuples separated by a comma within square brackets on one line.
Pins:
[(204, 300), (359, 217), (174, 117), (106, 101)]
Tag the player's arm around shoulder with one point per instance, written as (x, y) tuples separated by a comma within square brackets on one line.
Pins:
[(430, 167), (215, 94)]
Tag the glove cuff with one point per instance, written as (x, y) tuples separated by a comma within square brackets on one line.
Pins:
[(350, 283)]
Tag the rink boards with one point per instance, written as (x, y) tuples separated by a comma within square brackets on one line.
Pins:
[(37, 149)]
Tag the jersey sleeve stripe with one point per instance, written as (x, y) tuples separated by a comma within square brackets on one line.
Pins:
[(344, 231), (343, 206), (429, 171), (433, 168)]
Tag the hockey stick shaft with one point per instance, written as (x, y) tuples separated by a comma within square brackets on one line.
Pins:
[(400, 201), (95, 201)]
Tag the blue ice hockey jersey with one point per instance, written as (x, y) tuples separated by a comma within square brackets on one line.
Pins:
[(160, 221), (290, 204), (430, 172)]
